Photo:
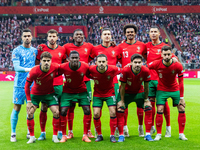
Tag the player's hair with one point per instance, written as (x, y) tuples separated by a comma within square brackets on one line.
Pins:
[(73, 52), (166, 48), (130, 26), (102, 55), (51, 31), (45, 54), (106, 29), (77, 30), (26, 30), (135, 56), (155, 27)]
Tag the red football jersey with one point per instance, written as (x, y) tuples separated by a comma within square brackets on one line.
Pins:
[(43, 81), (112, 53), (154, 53), (104, 86), (74, 79), (127, 50), (58, 55), (134, 81), (84, 52), (167, 75)]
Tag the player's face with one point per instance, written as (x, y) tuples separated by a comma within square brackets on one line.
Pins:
[(167, 55), (26, 37), (101, 63), (106, 36), (45, 63), (78, 36), (52, 38), (154, 33), (130, 33), (136, 64), (74, 60)]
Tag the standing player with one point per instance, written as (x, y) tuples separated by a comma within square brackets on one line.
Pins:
[(167, 71), (132, 90), (43, 76), (58, 56), (23, 58), (103, 73), (154, 53), (84, 50), (75, 88), (128, 48)]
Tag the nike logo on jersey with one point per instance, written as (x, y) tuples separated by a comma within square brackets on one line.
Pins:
[(129, 78), (39, 78), (67, 75), (94, 77)]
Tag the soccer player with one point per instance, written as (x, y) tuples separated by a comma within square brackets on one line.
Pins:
[(128, 48), (101, 74), (75, 88), (43, 76), (132, 90), (84, 50), (23, 58), (167, 71), (154, 53), (58, 56)]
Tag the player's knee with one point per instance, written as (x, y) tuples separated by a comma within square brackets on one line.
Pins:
[(44, 107), (160, 109), (86, 110), (152, 99), (30, 114), (96, 114), (64, 111), (181, 108), (56, 113), (113, 113), (17, 107)]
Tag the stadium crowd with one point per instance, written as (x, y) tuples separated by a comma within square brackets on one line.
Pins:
[(96, 2), (184, 27)]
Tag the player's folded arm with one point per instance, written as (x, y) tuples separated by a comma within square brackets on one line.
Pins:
[(18, 68)]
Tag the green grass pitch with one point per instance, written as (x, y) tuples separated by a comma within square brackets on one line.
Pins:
[(192, 96)]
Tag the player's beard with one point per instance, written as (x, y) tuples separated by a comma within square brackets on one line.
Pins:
[(52, 42), (79, 40), (101, 67), (167, 60), (27, 42), (130, 37), (46, 67), (137, 68)]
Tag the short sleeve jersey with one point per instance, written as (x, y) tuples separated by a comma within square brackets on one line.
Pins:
[(58, 55), (26, 57), (167, 75), (74, 79), (103, 82), (43, 81), (134, 81)]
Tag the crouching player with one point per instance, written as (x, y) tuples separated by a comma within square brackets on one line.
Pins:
[(132, 90), (167, 71), (103, 75), (75, 89), (43, 91)]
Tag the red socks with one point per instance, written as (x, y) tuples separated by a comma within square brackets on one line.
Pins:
[(113, 124), (140, 115), (30, 124), (63, 123), (153, 111), (97, 123), (55, 125), (159, 122), (167, 113), (43, 119), (120, 122), (70, 118), (125, 116), (148, 119), (87, 123), (181, 121)]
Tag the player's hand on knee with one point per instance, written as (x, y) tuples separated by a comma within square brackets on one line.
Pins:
[(182, 103), (147, 104), (120, 106)]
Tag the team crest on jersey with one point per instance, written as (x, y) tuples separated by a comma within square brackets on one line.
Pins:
[(173, 71), (34, 54), (14, 56), (138, 49), (96, 81), (108, 77), (129, 83), (16, 99), (141, 79), (86, 50), (51, 75), (113, 53), (82, 74), (158, 51), (59, 54)]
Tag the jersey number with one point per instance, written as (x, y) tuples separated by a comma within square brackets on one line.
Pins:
[(125, 54)]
